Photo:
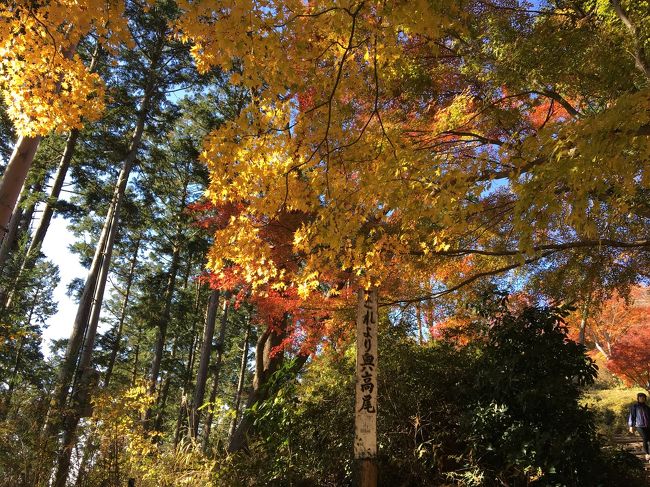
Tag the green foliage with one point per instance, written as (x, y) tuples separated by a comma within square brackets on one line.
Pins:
[(611, 408), (503, 410)]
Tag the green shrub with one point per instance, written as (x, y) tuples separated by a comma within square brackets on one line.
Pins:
[(503, 410)]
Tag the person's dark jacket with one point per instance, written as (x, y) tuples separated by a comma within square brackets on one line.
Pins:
[(637, 418)]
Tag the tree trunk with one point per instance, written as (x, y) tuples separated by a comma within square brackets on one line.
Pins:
[(266, 365), (120, 325), (204, 361), (191, 357), (168, 295), (134, 377), (87, 375), (14, 177), (164, 392), (240, 382), (55, 192), (161, 332), (217, 369), (57, 185), (583, 321), (418, 313), (90, 301)]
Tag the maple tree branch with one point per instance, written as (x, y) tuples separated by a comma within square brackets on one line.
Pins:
[(469, 280), (302, 16), (479, 138), (555, 247), (554, 95)]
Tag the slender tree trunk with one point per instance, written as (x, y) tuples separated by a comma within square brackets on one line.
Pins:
[(161, 332), (164, 392), (418, 312), (217, 370), (14, 177), (90, 297), (240, 382), (583, 321), (601, 349), (48, 209), (87, 375), (134, 377), (28, 214), (183, 409), (120, 325), (89, 450), (204, 362)]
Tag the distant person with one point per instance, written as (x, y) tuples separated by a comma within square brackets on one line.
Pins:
[(639, 418)]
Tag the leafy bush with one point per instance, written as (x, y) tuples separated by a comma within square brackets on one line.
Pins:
[(611, 408), (502, 410)]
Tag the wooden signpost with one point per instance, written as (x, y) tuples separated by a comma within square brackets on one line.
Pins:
[(365, 421)]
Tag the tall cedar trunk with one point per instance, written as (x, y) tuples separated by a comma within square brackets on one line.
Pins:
[(215, 379), (89, 449), (161, 332), (204, 362), (164, 391), (14, 177), (85, 373), (136, 357), (418, 312), (89, 296), (240, 382), (191, 357), (53, 198), (120, 324), (28, 214)]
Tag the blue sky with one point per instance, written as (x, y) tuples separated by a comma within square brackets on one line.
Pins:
[(55, 247)]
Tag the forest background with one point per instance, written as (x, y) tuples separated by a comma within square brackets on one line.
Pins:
[(233, 172)]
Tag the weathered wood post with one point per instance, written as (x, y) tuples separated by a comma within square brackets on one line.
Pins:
[(365, 421)]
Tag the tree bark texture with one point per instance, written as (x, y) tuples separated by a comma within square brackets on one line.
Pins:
[(204, 362), (14, 177), (123, 309), (89, 306), (266, 364), (216, 374)]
